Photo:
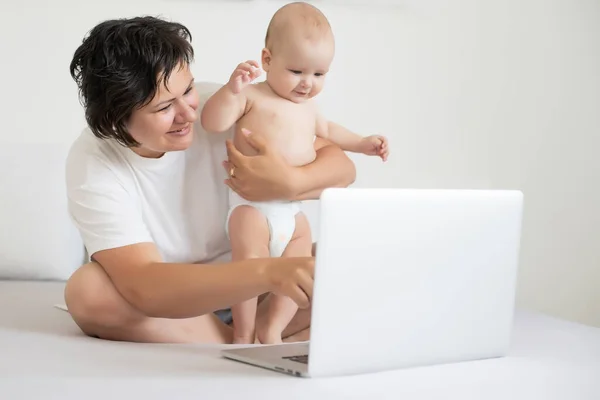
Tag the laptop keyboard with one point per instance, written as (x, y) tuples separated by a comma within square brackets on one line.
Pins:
[(301, 359)]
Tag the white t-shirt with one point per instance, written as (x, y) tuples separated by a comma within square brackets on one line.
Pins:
[(179, 201)]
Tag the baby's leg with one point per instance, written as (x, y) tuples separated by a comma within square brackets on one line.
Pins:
[(281, 308), (249, 237)]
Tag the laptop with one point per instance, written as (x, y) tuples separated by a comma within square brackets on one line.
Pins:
[(405, 278)]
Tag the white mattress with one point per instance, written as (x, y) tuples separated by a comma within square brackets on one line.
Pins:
[(44, 355)]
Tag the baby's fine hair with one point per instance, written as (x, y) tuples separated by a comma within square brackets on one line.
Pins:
[(300, 18)]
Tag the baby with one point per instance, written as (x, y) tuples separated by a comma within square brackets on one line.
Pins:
[(299, 48)]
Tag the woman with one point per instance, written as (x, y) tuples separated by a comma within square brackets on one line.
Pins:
[(146, 191)]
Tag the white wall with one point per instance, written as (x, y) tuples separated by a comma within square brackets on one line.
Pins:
[(473, 94)]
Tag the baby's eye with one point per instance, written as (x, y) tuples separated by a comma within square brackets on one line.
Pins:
[(293, 71), (319, 74)]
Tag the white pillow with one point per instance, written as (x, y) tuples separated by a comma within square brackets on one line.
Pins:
[(37, 240)]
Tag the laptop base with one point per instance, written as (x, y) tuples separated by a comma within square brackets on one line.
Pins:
[(290, 359)]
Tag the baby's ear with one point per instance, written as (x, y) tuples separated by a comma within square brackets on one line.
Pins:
[(265, 59)]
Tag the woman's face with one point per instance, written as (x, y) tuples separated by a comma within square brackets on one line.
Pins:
[(167, 122)]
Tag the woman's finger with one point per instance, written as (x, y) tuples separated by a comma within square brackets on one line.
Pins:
[(236, 185), (229, 168), (306, 281), (298, 296), (229, 182), (234, 155), (256, 141)]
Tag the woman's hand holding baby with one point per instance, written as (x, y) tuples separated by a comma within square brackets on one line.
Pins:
[(263, 177)]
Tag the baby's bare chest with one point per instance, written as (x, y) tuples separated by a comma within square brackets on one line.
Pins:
[(279, 119), (288, 127)]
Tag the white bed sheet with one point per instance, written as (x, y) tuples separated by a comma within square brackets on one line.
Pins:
[(44, 355)]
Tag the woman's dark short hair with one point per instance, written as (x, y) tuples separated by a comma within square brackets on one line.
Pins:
[(119, 67)]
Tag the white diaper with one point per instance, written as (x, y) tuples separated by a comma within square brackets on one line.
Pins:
[(280, 215)]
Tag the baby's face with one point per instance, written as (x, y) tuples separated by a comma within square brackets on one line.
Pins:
[(296, 71)]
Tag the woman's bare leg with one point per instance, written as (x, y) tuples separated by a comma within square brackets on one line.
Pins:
[(301, 336), (100, 311)]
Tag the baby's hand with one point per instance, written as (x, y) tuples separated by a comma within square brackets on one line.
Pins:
[(375, 145), (244, 74)]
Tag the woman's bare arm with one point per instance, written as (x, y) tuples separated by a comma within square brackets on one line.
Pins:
[(331, 168), (266, 176), (171, 290)]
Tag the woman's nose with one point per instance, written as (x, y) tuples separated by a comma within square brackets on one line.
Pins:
[(187, 113)]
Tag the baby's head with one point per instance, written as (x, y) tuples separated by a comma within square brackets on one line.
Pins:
[(299, 48)]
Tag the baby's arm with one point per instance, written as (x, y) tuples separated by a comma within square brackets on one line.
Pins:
[(228, 104), (374, 145), (222, 110), (345, 139)]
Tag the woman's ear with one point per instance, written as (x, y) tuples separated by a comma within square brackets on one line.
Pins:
[(266, 59)]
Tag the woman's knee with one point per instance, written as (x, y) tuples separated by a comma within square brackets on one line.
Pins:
[(93, 301)]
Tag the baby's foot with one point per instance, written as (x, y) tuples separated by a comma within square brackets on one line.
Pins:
[(243, 336), (243, 339), (268, 335)]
